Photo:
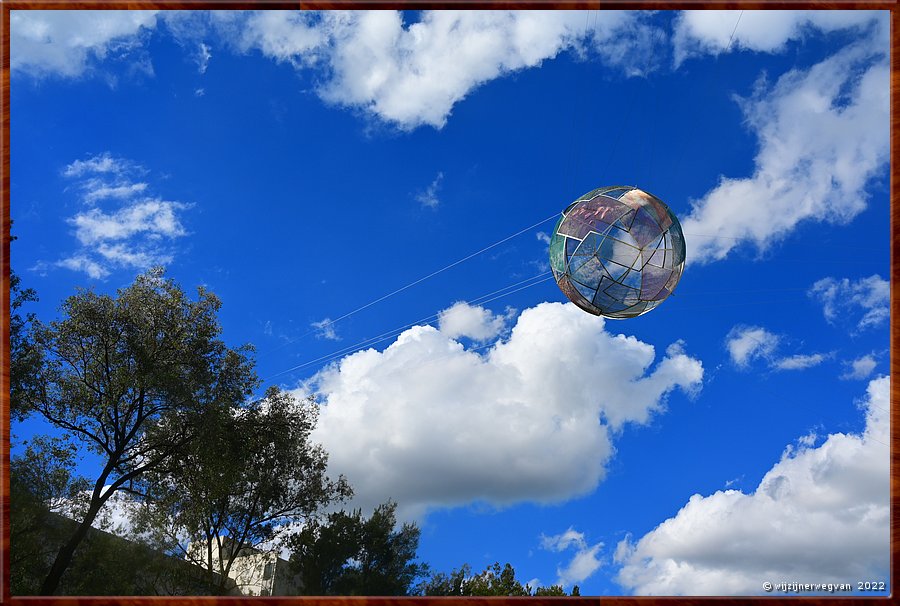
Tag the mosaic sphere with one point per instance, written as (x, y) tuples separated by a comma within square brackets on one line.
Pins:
[(617, 252)]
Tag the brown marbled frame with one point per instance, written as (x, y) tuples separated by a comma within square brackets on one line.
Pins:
[(7, 5)]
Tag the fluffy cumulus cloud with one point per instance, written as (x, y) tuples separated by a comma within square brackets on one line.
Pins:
[(867, 299), (823, 134), (747, 343), (65, 43), (471, 321), (585, 562), (700, 32), (405, 73), (819, 515), (430, 423), (412, 74), (120, 225)]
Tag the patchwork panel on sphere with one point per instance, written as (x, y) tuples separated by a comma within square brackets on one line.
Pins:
[(617, 252)]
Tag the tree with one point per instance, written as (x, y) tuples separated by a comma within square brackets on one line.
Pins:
[(240, 484), (496, 581), (553, 590), (44, 486), (443, 584), (24, 358), (492, 581), (42, 481), (351, 555), (556, 590), (130, 376)]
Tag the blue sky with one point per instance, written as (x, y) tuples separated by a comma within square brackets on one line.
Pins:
[(303, 166)]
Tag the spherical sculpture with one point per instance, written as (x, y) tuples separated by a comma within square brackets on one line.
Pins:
[(617, 252)]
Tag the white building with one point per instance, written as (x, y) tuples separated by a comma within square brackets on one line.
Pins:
[(255, 572)]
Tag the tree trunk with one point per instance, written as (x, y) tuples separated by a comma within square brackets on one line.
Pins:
[(64, 557)]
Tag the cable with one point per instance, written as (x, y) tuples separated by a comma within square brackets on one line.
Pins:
[(434, 273), (392, 333), (396, 331), (576, 161), (410, 285), (731, 37), (330, 323)]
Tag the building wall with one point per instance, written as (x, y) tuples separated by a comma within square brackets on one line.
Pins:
[(254, 572)]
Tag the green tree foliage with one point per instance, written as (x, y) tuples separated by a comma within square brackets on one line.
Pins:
[(556, 590), (351, 555), (143, 381), (553, 590), (43, 484), (492, 581), (24, 360), (42, 480), (496, 581), (241, 482), (130, 376)]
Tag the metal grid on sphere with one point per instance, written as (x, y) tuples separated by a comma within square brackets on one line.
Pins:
[(617, 252)]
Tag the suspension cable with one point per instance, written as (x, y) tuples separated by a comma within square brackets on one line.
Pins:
[(534, 281)]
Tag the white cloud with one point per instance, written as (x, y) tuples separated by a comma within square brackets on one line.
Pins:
[(413, 74), (97, 190), (706, 31), (748, 343), (114, 516), (429, 196), (406, 74), (583, 564), (809, 440), (83, 263), (823, 134), (733, 481), (431, 424), (840, 297), (282, 35), (561, 542), (819, 515), (800, 361), (101, 163), (543, 237), (325, 330), (104, 176), (133, 234), (63, 42), (151, 217), (861, 368), (472, 321), (203, 56), (123, 256), (119, 515)]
